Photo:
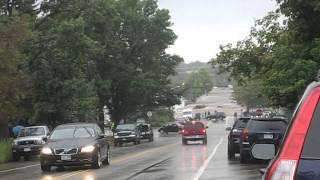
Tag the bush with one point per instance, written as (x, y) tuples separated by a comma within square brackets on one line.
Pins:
[(5, 150)]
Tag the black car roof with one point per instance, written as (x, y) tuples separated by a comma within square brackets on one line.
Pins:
[(77, 124), (269, 119)]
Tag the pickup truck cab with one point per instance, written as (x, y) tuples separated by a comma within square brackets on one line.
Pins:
[(194, 131), (29, 142)]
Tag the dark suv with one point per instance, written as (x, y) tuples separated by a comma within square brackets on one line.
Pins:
[(126, 133), (261, 138), (146, 131), (194, 131), (299, 155), (169, 127), (234, 136)]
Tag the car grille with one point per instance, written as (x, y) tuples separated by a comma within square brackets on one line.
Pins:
[(26, 142), (124, 134), (63, 151)]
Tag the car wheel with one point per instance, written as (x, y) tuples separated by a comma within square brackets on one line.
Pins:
[(44, 166), (96, 164), (231, 154), (115, 143), (243, 157), (106, 161), (135, 142), (15, 157), (139, 141), (204, 141), (151, 138), (184, 141), (161, 132)]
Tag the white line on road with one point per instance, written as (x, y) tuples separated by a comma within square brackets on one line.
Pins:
[(206, 162), (14, 169)]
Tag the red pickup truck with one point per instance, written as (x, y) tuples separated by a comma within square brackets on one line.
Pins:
[(194, 131)]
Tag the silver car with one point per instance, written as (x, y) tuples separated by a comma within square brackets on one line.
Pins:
[(29, 142)]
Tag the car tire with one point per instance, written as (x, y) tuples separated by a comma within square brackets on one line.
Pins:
[(161, 132), (231, 154), (184, 141), (151, 138), (204, 141), (44, 167), (106, 161), (115, 143), (97, 163), (135, 142), (243, 157), (15, 157)]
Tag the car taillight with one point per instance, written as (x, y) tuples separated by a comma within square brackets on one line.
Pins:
[(245, 134), (203, 131), (285, 164), (183, 131)]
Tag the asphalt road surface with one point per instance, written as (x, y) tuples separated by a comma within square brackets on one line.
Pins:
[(164, 159)]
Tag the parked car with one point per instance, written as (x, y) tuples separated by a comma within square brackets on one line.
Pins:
[(126, 133), (29, 142), (234, 136), (194, 131), (261, 138), (75, 144), (299, 154), (146, 131), (169, 128), (217, 116)]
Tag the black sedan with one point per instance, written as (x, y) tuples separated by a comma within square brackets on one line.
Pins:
[(169, 128), (75, 144), (261, 138)]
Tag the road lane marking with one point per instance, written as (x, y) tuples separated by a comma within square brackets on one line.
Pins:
[(118, 160), (206, 162), (14, 169)]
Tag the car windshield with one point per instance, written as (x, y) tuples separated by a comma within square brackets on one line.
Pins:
[(196, 125), (32, 131), (267, 125), (126, 127), (241, 123), (72, 132)]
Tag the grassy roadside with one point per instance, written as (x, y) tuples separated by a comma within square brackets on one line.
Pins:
[(5, 150)]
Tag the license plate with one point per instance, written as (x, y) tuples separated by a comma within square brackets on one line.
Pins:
[(27, 149), (65, 158), (268, 136)]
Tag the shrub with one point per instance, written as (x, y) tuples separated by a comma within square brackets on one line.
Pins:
[(5, 150)]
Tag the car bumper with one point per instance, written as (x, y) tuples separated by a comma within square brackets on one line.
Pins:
[(145, 136), (76, 159), (31, 149), (194, 137)]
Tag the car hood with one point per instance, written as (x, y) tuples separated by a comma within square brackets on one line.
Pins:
[(70, 143), (29, 138)]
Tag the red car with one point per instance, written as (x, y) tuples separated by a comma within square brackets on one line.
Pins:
[(298, 157), (194, 131)]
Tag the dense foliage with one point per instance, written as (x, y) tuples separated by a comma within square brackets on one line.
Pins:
[(282, 56), (64, 60)]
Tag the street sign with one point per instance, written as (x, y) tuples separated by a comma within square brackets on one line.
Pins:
[(149, 114)]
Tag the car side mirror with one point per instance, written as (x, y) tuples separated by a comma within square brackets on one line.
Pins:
[(207, 127), (45, 139), (228, 129)]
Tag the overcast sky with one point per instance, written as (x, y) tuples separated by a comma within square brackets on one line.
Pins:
[(203, 25)]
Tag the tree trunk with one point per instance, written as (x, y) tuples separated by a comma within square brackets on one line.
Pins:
[(4, 130)]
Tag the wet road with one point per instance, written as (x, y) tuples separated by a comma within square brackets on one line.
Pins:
[(164, 159)]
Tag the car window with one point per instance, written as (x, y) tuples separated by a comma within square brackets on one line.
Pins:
[(257, 125), (72, 132), (241, 123), (36, 131), (194, 126), (126, 127), (311, 147)]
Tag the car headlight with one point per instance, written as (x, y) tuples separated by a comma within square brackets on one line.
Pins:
[(87, 149), (15, 142), (46, 151), (116, 137), (40, 142)]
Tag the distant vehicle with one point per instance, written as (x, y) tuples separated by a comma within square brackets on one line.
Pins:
[(234, 136), (187, 113), (299, 154), (146, 131), (126, 133), (217, 116), (170, 127), (261, 138), (75, 144), (29, 142), (194, 131)]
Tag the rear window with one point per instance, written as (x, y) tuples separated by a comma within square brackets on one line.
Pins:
[(241, 123), (311, 149), (194, 126), (267, 125)]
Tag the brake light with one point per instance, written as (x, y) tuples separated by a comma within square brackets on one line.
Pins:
[(183, 131), (193, 122), (245, 134), (285, 164), (203, 130)]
